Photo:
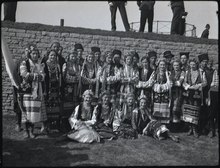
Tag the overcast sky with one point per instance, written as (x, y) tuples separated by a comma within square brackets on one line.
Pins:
[(96, 14)]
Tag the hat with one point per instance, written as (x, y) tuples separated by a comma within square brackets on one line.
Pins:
[(95, 49), (167, 54), (202, 57), (185, 53), (152, 54), (117, 52), (135, 54), (78, 46), (142, 96)]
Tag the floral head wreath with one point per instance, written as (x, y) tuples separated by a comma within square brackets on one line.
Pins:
[(88, 92), (142, 96), (130, 95), (105, 93)]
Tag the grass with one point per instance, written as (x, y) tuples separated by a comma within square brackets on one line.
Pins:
[(52, 150)]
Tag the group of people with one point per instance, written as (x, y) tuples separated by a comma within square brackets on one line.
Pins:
[(147, 14), (94, 96)]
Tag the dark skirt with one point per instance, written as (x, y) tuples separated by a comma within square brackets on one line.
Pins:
[(105, 132), (126, 131)]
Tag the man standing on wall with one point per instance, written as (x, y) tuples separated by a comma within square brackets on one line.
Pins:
[(113, 8), (205, 33), (10, 11), (147, 12), (179, 14)]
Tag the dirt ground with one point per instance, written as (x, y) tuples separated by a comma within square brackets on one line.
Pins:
[(52, 150)]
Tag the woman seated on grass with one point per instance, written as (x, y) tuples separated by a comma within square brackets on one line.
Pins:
[(122, 124), (104, 113), (82, 119)]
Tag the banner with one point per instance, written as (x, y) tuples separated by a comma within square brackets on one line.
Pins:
[(10, 64)]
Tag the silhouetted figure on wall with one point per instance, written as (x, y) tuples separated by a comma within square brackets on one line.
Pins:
[(147, 12), (113, 8), (179, 14), (10, 11), (205, 33)]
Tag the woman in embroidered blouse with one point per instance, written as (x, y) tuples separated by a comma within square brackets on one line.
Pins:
[(141, 115), (122, 124), (161, 96), (104, 113), (89, 72), (192, 95), (82, 120), (129, 78), (71, 72), (32, 73), (53, 88), (176, 78)]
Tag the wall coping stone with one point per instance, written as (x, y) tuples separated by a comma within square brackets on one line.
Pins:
[(122, 34)]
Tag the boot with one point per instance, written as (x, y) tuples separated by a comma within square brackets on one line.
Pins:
[(32, 131), (18, 128), (190, 131), (211, 134), (44, 129), (195, 131), (26, 131)]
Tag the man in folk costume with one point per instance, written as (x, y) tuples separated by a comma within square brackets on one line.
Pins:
[(193, 85), (98, 66), (168, 56), (203, 59), (152, 57), (79, 49), (110, 76), (184, 57), (176, 78), (144, 85)]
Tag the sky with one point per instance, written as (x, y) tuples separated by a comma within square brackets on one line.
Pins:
[(96, 14)]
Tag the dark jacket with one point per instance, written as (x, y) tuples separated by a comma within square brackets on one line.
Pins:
[(144, 5), (177, 4)]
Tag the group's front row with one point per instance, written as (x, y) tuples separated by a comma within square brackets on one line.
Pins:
[(105, 121)]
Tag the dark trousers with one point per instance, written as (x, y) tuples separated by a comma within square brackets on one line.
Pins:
[(17, 109), (124, 17), (177, 26), (10, 11), (146, 14), (213, 113)]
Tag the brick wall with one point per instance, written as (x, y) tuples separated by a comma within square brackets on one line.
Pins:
[(18, 35)]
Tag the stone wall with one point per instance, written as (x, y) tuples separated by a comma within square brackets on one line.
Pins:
[(18, 35)]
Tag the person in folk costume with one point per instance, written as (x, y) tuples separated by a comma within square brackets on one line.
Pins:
[(71, 71), (144, 84), (184, 57), (146, 124), (89, 73), (117, 64), (176, 78), (168, 56), (82, 120), (136, 59), (18, 93), (53, 81), (104, 113), (110, 77), (193, 83), (79, 49), (141, 116), (203, 61), (32, 73), (98, 64), (152, 58), (213, 102), (122, 123), (129, 78), (161, 93)]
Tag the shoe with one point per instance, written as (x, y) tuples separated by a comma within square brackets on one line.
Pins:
[(175, 139), (211, 134), (113, 29), (195, 133), (18, 128), (32, 135), (26, 134)]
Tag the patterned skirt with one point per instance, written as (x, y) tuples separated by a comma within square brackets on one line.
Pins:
[(191, 107), (104, 131), (34, 109), (126, 131)]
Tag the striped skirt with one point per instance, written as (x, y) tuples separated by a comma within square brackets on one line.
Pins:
[(35, 110), (191, 114)]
